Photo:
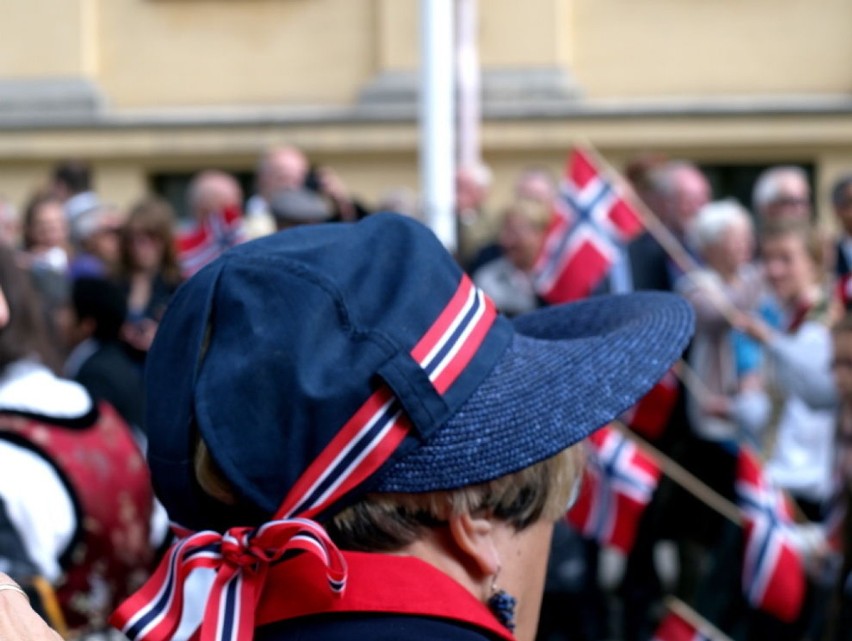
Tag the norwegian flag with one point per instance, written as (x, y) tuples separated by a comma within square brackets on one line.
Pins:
[(207, 241), (618, 483), (593, 222), (674, 627), (773, 576), (651, 414)]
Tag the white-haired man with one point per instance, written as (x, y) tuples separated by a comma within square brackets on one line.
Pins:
[(781, 193)]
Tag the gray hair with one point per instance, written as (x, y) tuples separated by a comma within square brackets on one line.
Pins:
[(714, 219), (766, 187)]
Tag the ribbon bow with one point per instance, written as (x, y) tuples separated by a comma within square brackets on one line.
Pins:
[(240, 559)]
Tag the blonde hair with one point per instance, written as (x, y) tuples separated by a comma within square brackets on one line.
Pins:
[(386, 522), (812, 239)]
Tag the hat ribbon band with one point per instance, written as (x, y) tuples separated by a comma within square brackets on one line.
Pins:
[(236, 565), (374, 432)]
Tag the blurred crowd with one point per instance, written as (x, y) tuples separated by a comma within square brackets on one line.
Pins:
[(767, 369), (84, 284)]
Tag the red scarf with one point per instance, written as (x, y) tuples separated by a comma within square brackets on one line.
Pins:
[(376, 583), (800, 314)]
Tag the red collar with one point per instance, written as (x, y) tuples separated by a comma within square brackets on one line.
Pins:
[(800, 314), (376, 583)]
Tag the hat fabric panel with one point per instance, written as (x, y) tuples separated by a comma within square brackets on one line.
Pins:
[(269, 396), (297, 345), (170, 397), (584, 365)]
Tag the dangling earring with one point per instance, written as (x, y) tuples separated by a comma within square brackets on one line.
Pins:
[(502, 605)]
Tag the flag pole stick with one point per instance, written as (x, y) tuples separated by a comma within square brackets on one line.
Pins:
[(691, 616), (695, 486), (680, 475), (691, 381)]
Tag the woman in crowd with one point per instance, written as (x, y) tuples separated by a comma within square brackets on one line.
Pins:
[(45, 256), (45, 234), (800, 445), (722, 233), (506, 279), (364, 447), (73, 482), (148, 269)]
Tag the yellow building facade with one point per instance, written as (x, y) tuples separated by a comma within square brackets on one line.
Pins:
[(148, 88)]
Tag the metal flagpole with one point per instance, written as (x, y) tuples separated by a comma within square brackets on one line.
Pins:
[(437, 126), (467, 65)]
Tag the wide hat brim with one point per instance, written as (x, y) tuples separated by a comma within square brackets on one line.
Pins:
[(569, 370)]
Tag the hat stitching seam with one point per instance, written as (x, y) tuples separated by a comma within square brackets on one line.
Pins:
[(299, 270)]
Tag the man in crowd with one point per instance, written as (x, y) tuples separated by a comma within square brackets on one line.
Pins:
[(214, 200), (287, 168), (679, 189), (279, 168), (782, 192), (98, 359)]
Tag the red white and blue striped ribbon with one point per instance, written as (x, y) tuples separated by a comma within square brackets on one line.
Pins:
[(241, 556)]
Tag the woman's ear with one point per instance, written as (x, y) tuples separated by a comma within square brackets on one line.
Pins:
[(474, 536)]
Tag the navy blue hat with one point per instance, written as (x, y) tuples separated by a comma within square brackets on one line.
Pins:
[(327, 361)]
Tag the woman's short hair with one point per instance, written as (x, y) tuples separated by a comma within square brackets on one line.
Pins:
[(388, 522), (714, 219), (157, 217), (25, 334), (31, 211), (812, 240)]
